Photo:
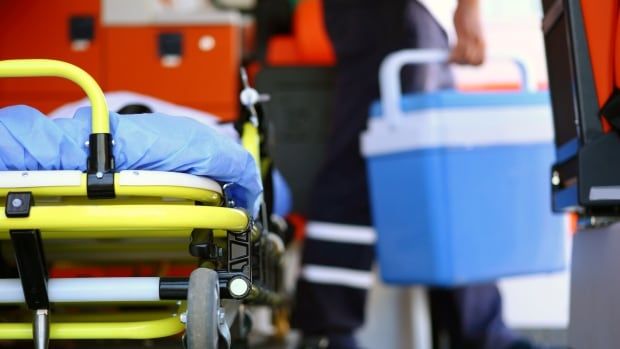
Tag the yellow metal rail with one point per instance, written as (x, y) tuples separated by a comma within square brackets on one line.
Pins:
[(114, 221), (52, 68), (99, 330), (205, 196), (251, 142)]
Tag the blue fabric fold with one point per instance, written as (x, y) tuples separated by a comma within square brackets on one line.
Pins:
[(31, 141)]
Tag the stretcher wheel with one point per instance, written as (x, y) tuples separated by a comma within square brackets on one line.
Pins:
[(203, 302)]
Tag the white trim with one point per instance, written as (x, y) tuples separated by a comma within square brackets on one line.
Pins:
[(354, 234), (37, 179), (71, 290), (204, 18), (159, 178), (337, 276), (605, 193), (147, 12), (459, 127)]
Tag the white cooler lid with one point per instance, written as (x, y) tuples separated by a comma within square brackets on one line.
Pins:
[(452, 119)]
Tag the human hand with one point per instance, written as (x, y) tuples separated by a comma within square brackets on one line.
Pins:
[(470, 45)]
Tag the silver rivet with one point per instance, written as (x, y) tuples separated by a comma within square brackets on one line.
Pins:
[(136, 173), (99, 175), (24, 174), (87, 143), (113, 143), (17, 203), (183, 317)]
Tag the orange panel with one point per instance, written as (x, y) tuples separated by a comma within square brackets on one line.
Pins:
[(617, 55), (600, 18), (312, 40), (309, 44), (40, 29), (282, 50), (204, 78)]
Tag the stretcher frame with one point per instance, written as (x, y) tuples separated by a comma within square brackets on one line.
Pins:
[(147, 216)]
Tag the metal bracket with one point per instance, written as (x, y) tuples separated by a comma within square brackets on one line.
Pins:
[(18, 204), (28, 250), (31, 267), (41, 329), (239, 254), (100, 167)]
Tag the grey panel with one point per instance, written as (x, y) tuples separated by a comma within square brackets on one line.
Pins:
[(299, 112), (595, 289)]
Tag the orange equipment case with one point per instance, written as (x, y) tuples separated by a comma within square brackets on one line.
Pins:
[(43, 29), (122, 55)]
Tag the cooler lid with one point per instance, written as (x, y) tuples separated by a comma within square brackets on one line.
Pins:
[(450, 99), (458, 126)]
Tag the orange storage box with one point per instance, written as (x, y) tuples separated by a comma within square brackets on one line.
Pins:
[(196, 65)]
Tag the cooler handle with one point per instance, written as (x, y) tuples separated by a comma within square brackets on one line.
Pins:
[(389, 76)]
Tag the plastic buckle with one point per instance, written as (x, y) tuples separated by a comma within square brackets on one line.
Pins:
[(18, 204)]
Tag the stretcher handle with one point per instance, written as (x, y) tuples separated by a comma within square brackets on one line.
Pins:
[(389, 76), (100, 162), (16, 68)]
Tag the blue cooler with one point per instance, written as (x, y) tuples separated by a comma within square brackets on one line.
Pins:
[(459, 182)]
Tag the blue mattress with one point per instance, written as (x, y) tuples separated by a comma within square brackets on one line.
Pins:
[(31, 141)]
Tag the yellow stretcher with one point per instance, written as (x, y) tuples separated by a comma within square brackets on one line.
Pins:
[(143, 204)]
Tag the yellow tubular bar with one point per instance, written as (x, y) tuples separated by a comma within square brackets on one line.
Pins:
[(99, 330), (149, 220), (251, 142), (120, 234), (166, 191), (195, 194), (47, 191), (102, 316), (112, 234), (52, 68)]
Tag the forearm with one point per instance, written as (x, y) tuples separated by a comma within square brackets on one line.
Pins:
[(469, 3), (470, 47)]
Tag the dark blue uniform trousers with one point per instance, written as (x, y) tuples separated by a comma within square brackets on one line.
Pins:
[(338, 251)]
